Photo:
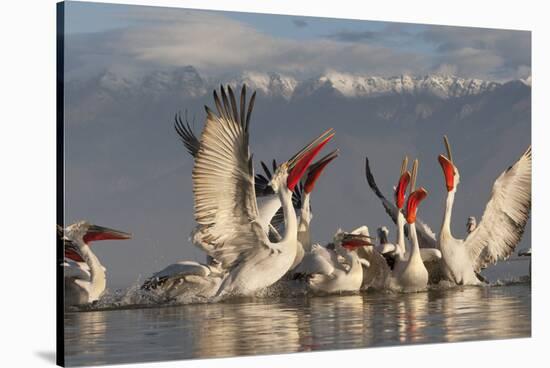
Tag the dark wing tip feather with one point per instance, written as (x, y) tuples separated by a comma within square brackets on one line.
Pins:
[(249, 113), (371, 181), (266, 170), (186, 134), (233, 104)]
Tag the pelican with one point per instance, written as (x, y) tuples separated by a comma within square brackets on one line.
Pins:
[(225, 201), (411, 274), (85, 279), (500, 228), (336, 268), (186, 280)]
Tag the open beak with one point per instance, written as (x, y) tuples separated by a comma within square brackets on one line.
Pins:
[(412, 204), (299, 163), (353, 241), (316, 169), (448, 171), (96, 233), (401, 189)]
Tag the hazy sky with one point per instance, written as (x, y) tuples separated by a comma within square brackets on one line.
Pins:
[(125, 167)]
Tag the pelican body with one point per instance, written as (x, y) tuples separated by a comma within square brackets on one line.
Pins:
[(337, 268)]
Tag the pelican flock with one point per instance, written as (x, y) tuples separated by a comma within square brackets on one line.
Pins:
[(254, 229)]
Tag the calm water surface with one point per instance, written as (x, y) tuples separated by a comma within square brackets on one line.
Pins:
[(284, 325)]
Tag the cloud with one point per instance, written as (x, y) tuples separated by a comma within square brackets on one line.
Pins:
[(468, 52), (393, 33), (300, 23), (217, 45), (493, 53)]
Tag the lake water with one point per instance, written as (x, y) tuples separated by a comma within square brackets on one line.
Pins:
[(294, 324)]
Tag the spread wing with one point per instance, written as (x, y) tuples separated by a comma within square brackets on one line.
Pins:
[(223, 184), (186, 134), (505, 216), (426, 236)]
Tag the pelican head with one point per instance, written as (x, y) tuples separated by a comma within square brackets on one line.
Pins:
[(290, 172), (401, 188), (83, 232), (452, 177)]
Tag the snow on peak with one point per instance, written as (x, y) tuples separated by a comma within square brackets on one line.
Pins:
[(270, 84), (187, 82), (444, 86)]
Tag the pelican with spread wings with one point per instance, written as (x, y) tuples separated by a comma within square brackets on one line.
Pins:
[(497, 234), (225, 202)]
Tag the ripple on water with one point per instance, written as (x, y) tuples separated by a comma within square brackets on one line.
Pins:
[(279, 324)]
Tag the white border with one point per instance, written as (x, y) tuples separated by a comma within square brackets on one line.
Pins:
[(27, 148)]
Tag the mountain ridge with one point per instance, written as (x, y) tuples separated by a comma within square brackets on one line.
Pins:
[(188, 82)]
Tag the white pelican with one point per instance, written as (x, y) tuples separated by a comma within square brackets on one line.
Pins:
[(225, 201), (186, 279), (411, 274), (84, 276), (500, 228), (336, 268), (304, 233)]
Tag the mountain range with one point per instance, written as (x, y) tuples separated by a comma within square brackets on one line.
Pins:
[(187, 82)]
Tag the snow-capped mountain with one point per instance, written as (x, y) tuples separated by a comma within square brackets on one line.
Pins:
[(351, 85), (269, 84), (186, 82)]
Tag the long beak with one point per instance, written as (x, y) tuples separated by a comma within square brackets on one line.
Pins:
[(296, 158), (401, 189), (352, 241), (299, 163), (96, 233), (315, 170), (448, 171), (412, 203)]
